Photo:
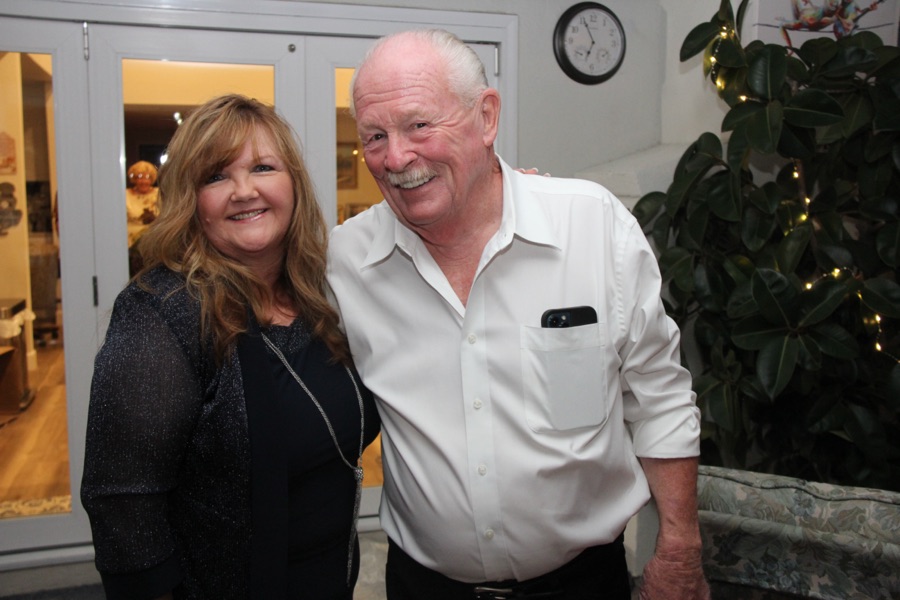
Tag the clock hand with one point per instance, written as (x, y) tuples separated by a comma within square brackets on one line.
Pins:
[(584, 21)]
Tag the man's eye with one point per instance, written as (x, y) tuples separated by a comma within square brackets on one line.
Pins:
[(421, 125)]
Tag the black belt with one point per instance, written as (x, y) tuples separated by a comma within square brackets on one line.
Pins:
[(552, 585), (550, 588)]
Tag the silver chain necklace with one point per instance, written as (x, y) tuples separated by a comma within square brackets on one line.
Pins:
[(357, 470)]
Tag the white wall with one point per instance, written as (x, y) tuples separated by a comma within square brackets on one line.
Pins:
[(564, 126), (689, 104)]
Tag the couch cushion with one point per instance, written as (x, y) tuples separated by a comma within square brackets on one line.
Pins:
[(810, 539)]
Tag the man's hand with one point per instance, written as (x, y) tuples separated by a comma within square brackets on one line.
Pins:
[(674, 575), (676, 570), (531, 171)]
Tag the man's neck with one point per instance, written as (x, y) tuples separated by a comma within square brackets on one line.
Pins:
[(457, 246)]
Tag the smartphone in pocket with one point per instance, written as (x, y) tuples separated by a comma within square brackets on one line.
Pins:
[(571, 316)]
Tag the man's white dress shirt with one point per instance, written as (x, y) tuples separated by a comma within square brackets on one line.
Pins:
[(508, 448)]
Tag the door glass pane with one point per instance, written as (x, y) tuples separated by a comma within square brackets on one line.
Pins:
[(157, 95), (34, 470), (356, 191)]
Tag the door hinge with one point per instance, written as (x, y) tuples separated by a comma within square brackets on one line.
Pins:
[(85, 41), (96, 294)]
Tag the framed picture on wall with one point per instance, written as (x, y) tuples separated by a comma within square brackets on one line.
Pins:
[(346, 166), (792, 22)]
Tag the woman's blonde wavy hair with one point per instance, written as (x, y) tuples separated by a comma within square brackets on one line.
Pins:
[(208, 140)]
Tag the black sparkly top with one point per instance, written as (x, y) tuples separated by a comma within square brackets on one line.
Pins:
[(214, 482)]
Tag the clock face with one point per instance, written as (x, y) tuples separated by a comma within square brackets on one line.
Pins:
[(589, 42)]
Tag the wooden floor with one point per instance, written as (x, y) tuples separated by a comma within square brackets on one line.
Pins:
[(34, 453)]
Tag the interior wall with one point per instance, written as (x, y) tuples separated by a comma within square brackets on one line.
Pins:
[(564, 126)]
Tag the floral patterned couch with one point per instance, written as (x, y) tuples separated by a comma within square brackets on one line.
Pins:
[(767, 536)]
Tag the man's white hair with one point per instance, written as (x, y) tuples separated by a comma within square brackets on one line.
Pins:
[(465, 71)]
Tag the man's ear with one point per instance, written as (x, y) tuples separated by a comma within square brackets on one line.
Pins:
[(490, 115)]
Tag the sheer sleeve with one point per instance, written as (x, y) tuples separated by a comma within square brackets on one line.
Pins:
[(145, 400)]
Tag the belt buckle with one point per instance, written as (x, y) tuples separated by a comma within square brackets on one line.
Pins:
[(491, 593)]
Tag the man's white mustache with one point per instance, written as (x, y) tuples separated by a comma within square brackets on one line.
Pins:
[(411, 178)]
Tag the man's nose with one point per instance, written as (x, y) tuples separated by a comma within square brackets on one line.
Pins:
[(399, 154)]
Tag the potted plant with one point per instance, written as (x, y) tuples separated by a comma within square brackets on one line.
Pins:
[(780, 252)]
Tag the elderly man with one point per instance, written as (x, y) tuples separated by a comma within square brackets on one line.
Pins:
[(511, 329)]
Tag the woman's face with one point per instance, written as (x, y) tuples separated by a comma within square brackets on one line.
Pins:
[(246, 207), (142, 182)]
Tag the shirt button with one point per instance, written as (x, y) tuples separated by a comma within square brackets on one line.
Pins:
[(482, 470), (477, 404), (488, 534), (472, 338)]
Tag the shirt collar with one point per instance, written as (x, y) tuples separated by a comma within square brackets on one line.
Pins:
[(523, 217)]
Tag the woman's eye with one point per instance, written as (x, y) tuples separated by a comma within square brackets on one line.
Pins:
[(213, 178), (263, 168)]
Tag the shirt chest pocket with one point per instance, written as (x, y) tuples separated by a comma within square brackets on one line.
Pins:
[(564, 377)]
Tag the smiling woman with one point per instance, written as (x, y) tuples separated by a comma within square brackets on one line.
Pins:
[(224, 358)]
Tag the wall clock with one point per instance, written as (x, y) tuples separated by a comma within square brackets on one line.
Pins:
[(589, 43)]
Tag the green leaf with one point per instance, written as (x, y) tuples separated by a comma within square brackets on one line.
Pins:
[(888, 62), (661, 230), (693, 233), (728, 53), (882, 296), (764, 128), (879, 146), (648, 207), (708, 145), (766, 198), (812, 108), (858, 113), (756, 228), (738, 149), (818, 51), (835, 341), (775, 364), (742, 9), (792, 246), (796, 142), (820, 302), (725, 196), (677, 264), (830, 256), (754, 332), (740, 113), (739, 268), (699, 37), (720, 405), (767, 70), (810, 356), (741, 302), (775, 295), (708, 288), (725, 14), (888, 244), (849, 61), (884, 208), (875, 178)]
